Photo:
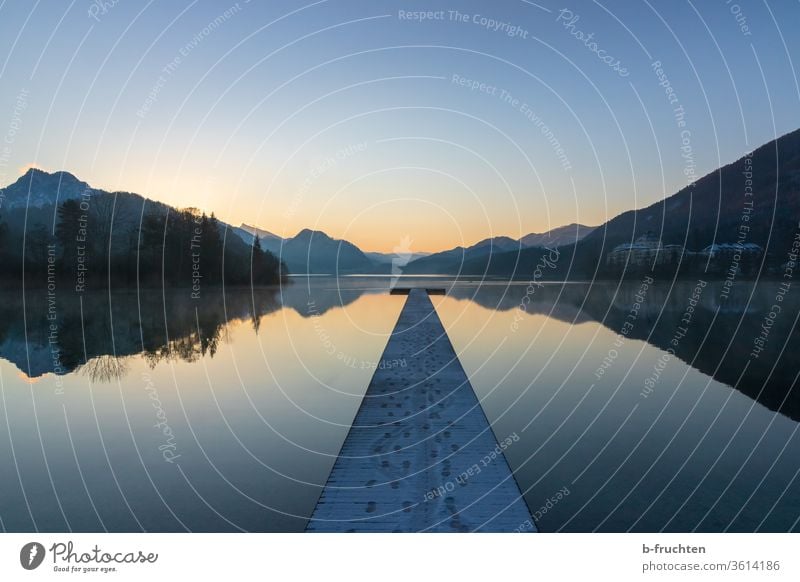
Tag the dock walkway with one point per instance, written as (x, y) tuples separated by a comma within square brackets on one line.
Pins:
[(420, 455)]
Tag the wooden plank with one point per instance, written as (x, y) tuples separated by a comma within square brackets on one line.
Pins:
[(420, 455)]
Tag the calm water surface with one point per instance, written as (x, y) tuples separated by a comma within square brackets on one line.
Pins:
[(154, 412)]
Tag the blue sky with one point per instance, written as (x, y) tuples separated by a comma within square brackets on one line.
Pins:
[(358, 119)]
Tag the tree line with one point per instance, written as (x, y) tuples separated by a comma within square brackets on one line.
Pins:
[(122, 239)]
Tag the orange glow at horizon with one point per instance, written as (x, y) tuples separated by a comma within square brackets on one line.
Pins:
[(436, 219), (379, 227), (30, 379)]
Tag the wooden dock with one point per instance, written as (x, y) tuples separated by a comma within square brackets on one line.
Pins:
[(420, 455)]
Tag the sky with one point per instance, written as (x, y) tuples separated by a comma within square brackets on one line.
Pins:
[(378, 124)]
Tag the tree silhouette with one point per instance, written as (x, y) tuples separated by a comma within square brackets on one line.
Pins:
[(67, 229), (124, 239)]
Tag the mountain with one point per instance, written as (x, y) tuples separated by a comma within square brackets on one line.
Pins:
[(120, 213), (37, 188), (450, 261), (755, 199), (558, 237), (332, 256), (86, 238), (494, 245), (313, 251), (325, 249), (251, 231), (482, 253)]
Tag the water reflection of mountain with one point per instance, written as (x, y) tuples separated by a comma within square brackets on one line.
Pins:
[(316, 300), (76, 331), (157, 325), (718, 341)]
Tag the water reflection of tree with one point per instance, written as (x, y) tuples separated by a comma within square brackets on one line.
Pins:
[(199, 331), (105, 368), (96, 333), (190, 346)]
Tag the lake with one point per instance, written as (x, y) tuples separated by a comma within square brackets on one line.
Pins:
[(655, 405)]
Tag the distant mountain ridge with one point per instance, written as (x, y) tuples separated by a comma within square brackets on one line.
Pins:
[(449, 261), (55, 226), (309, 251), (452, 261), (37, 188), (558, 237), (263, 234), (709, 211), (314, 252)]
